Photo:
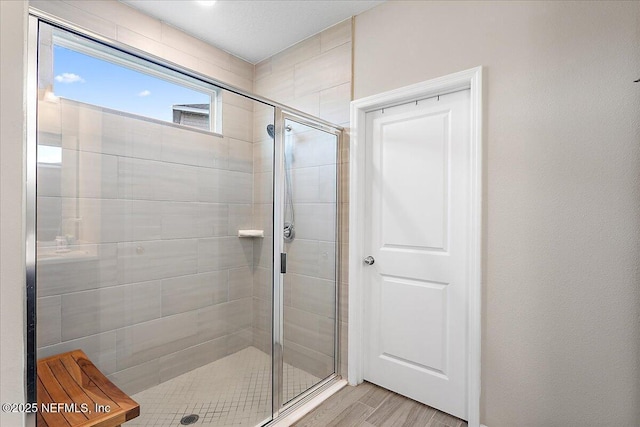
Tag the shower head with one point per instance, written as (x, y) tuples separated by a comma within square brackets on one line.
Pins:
[(271, 130)]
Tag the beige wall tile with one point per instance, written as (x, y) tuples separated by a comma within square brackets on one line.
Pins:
[(332, 68), (213, 219), (263, 190), (211, 186), (335, 36), (238, 314), (315, 221), (49, 117), (91, 312), (309, 103), (262, 283), (124, 16), (138, 378), (240, 156), (180, 57), (150, 340), (237, 123), (193, 148), (100, 348), (132, 38), (211, 322), (240, 218), (180, 220), (69, 12), (83, 174), (188, 293), (240, 283), (113, 220), (262, 69), (77, 274), (309, 360), (238, 186), (191, 358), (263, 218), (159, 259), (49, 313), (49, 218), (313, 295), (220, 253), (335, 102), (239, 340), (296, 54), (278, 85), (263, 252), (302, 257), (241, 67), (238, 100)]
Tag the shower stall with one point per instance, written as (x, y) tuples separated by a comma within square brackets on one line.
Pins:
[(187, 245)]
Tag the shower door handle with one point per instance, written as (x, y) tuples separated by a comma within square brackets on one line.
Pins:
[(369, 260)]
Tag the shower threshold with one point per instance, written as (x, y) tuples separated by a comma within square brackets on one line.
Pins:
[(232, 391)]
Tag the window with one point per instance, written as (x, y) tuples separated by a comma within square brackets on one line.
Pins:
[(89, 72)]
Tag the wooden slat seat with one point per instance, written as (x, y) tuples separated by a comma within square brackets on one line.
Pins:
[(71, 379)]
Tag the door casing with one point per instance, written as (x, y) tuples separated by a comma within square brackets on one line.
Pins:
[(468, 79)]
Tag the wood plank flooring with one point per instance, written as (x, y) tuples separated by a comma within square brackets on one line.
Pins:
[(368, 405)]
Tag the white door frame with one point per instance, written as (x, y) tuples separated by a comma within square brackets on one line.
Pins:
[(469, 79)]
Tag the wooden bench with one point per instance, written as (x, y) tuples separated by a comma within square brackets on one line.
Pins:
[(71, 379)]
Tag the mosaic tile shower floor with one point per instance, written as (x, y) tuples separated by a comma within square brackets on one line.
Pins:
[(232, 391)]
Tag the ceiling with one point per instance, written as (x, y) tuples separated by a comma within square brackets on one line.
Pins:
[(252, 29)]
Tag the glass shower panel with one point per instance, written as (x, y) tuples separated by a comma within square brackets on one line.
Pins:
[(140, 259), (310, 230)]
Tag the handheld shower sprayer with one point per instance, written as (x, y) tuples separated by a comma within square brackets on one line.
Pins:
[(289, 231)]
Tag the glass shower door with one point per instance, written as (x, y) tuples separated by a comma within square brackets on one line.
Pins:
[(310, 242)]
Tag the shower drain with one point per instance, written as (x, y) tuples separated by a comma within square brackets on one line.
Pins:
[(189, 419)]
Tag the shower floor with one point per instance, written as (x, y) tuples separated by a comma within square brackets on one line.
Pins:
[(232, 391)]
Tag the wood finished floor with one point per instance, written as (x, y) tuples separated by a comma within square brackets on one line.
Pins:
[(368, 405)]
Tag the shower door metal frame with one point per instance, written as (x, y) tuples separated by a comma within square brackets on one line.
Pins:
[(279, 406), (281, 113)]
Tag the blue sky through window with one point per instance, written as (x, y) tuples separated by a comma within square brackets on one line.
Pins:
[(94, 81)]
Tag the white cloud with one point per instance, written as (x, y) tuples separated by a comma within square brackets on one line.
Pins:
[(69, 78), (145, 93)]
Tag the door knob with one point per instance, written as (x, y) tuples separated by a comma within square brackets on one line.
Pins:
[(369, 260)]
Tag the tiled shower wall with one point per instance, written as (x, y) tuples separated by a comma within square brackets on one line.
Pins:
[(157, 281), (141, 315), (313, 76)]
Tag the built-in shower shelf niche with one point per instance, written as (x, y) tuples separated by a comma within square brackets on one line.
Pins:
[(251, 233)]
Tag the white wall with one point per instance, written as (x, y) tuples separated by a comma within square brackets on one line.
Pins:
[(561, 302), (13, 25)]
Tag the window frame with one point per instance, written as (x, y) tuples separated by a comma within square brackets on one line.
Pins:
[(117, 57)]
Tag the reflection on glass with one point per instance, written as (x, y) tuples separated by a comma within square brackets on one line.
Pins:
[(139, 263), (310, 282)]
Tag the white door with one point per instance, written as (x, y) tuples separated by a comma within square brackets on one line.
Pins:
[(416, 291)]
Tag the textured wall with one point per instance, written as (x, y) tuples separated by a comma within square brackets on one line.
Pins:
[(561, 302), (13, 31)]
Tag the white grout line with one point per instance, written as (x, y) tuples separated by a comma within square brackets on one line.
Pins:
[(310, 406)]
